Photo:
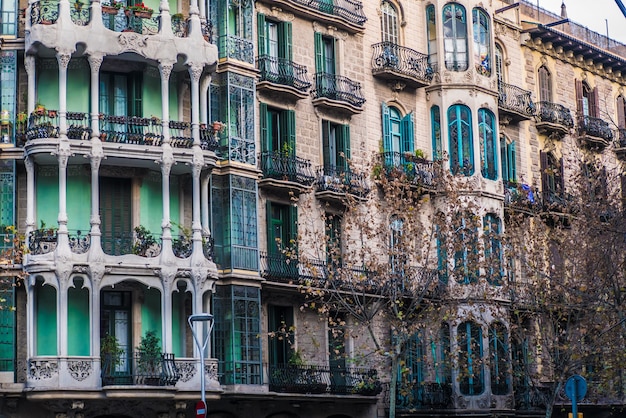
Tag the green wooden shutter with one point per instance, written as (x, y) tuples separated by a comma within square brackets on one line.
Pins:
[(319, 53), (262, 36), (269, 224), (285, 41), (344, 145), (293, 226), (263, 122), (290, 131), (512, 162), (326, 145), (407, 133), (386, 129), (136, 95)]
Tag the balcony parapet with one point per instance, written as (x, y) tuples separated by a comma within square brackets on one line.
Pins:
[(138, 369), (417, 171), (339, 92), (234, 47), (343, 14), (521, 198), (594, 132), (339, 181), (395, 62), (423, 395), (286, 171), (553, 119), (282, 75), (514, 102)]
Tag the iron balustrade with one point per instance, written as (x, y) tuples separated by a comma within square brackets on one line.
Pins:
[(44, 12), (419, 171), (595, 127), (554, 113), (281, 166), (42, 241), (180, 27), (521, 197), (402, 60), (301, 378), (208, 138), (423, 395), (127, 21), (337, 87), (138, 369), (208, 247), (515, 99), (231, 46), (206, 27), (182, 247), (350, 10), (341, 180), (79, 243), (80, 13), (78, 125), (130, 130), (144, 244), (43, 124), (279, 267), (283, 71), (180, 134)]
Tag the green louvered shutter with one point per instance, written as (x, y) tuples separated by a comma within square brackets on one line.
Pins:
[(344, 146), (319, 53), (262, 36), (263, 123), (285, 44), (386, 131), (407, 133), (269, 224), (512, 161), (293, 226), (290, 131), (326, 145)]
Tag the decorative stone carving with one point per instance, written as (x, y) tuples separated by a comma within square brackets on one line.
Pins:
[(132, 41), (187, 370), (210, 370), (43, 369), (79, 369)]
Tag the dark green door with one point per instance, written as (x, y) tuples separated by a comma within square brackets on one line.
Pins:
[(115, 215), (115, 321)]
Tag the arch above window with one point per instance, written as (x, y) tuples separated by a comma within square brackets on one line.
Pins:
[(487, 140), (455, 37)]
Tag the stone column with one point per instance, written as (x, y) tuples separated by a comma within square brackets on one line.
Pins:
[(165, 69), (63, 58), (29, 64), (95, 62)]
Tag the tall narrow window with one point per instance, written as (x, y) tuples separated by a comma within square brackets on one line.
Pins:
[(115, 215), (620, 104), (482, 41), (281, 340), (275, 50), (460, 139), (455, 37), (335, 147), (493, 249), (440, 351), (282, 227), (587, 100), (435, 126), (121, 94), (8, 22), (466, 267), (278, 130), (551, 177), (442, 256), (488, 144), (413, 364), (499, 356), (499, 63), (333, 239), (389, 22), (545, 84), (431, 33), (471, 373), (508, 158), (325, 66), (397, 254)]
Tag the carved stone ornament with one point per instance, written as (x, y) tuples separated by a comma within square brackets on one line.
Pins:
[(210, 370), (79, 369), (132, 41), (187, 370), (43, 369)]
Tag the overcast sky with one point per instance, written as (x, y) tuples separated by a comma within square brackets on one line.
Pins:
[(592, 14)]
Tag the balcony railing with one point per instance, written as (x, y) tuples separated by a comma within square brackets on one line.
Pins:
[(424, 395), (44, 12), (144, 243), (282, 71), (126, 21), (336, 87), (288, 378), (341, 180), (554, 113), (241, 49), (350, 10), (42, 241), (130, 130), (418, 171), (278, 267), (137, 369), (79, 242), (280, 166), (401, 60), (521, 197), (43, 124), (80, 13), (595, 127), (514, 99), (621, 138)]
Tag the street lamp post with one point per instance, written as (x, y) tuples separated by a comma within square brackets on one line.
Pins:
[(201, 317)]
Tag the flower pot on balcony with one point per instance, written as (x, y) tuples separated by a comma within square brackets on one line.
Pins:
[(111, 10), (144, 14)]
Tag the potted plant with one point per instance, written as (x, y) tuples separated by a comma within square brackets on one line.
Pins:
[(40, 109), (139, 10), (176, 17), (112, 8), (149, 359), (110, 357), (218, 126), (144, 241)]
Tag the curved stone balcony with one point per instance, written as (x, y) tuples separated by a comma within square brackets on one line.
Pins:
[(62, 26)]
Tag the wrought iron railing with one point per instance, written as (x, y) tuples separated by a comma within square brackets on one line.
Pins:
[(139, 369), (144, 244), (80, 13), (557, 201), (336, 87), (208, 247), (595, 127), (418, 171), (341, 180), (231, 46), (42, 241), (44, 12), (126, 21), (130, 130), (283, 71), (554, 113), (43, 124), (279, 267), (79, 242), (206, 27), (515, 99), (208, 138), (350, 10), (529, 398), (402, 60), (182, 246), (621, 138), (78, 125), (423, 395), (180, 27), (278, 165), (291, 378), (521, 197)]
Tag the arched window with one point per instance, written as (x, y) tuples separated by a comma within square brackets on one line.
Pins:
[(499, 61), (545, 84), (466, 266), (460, 140), (435, 123), (397, 254), (492, 230), (487, 142), (389, 23), (621, 114), (482, 41), (552, 184), (499, 356), (508, 158), (587, 98), (397, 135), (431, 33), (455, 37), (471, 371)]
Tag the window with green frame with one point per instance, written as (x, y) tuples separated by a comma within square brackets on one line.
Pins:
[(8, 22), (398, 134), (442, 256), (411, 370), (435, 126), (508, 154), (281, 329), (278, 130), (282, 227), (431, 33), (7, 325), (121, 94), (274, 49), (493, 249), (482, 41), (460, 140), (499, 359), (455, 37), (466, 267), (488, 144), (335, 147), (8, 91), (237, 311), (325, 66), (470, 361), (333, 238)]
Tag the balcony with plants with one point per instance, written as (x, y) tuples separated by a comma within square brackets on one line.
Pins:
[(397, 63), (514, 103), (411, 168), (346, 15), (284, 171), (594, 132), (283, 76), (521, 198), (337, 92), (553, 119)]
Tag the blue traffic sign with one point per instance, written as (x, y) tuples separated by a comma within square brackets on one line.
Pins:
[(576, 388)]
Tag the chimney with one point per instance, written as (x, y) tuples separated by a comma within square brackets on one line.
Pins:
[(563, 10)]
